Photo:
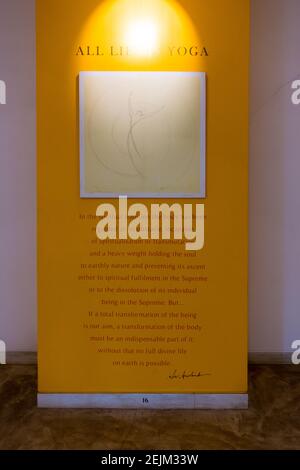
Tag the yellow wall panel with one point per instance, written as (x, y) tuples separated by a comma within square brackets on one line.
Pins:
[(71, 311)]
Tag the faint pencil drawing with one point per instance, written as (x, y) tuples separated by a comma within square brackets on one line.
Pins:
[(135, 117), (142, 134)]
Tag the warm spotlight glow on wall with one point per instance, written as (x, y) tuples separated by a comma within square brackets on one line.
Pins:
[(137, 34), (141, 37)]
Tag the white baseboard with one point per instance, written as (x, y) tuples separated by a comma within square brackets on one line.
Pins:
[(21, 358), (145, 401), (270, 358), (267, 358)]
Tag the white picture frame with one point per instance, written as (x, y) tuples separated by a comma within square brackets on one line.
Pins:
[(169, 111)]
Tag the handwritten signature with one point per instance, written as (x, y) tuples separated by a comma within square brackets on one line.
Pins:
[(186, 375)]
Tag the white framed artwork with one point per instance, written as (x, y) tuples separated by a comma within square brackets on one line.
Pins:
[(142, 134)]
